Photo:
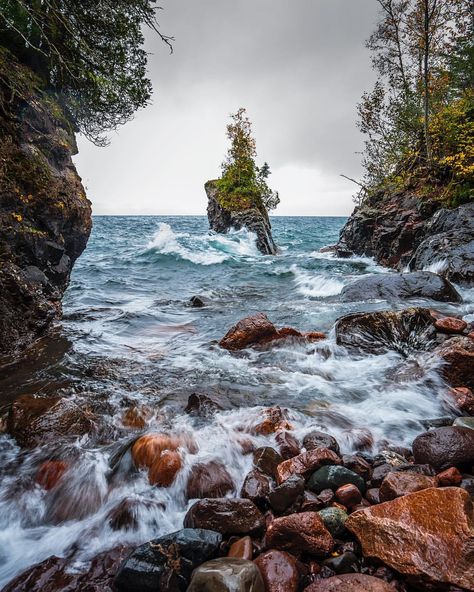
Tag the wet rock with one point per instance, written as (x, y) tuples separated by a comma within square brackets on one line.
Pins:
[(196, 302), (288, 445), (166, 563), (248, 331), (358, 465), (286, 494), (400, 286), (201, 406), (334, 520), (137, 417), (450, 325), (464, 422), (33, 421), (256, 487), (404, 331), (279, 571), (147, 449), (344, 563), (389, 457), (427, 535), (227, 574), (50, 472), (267, 459), (241, 549), (379, 473), (445, 447), (311, 502), (165, 468), (398, 484), (462, 399), (228, 516), (352, 582), (372, 495), (449, 478), (126, 515), (208, 480), (300, 533), (467, 484), (306, 462), (457, 354), (333, 477), (317, 439), (348, 495), (276, 419)]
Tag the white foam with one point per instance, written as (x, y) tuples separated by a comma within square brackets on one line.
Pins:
[(439, 266), (315, 285)]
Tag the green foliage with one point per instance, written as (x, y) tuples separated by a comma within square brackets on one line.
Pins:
[(242, 184), (88, 52)]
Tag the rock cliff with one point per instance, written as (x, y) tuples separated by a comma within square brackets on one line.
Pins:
[(255, 220), (403, 230), (45, 217)]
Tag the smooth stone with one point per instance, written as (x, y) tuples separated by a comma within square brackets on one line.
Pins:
[(348, 495), (445, 447), (227, 574), (332, 477), (334, 520), (279, 571), (225, 515), (288, 445), (207, 480), (317, 439), (256, 486), (287, 493)]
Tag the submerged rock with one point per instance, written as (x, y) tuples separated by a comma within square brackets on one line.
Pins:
[(208, 480), (400, 286), (427, 535), (222, 219), (227, 574)]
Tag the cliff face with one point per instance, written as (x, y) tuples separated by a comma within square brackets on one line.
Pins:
[(402, 230), (222, 220), (45, 217)]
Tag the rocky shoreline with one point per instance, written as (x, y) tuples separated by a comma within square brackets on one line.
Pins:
[(308, 516)]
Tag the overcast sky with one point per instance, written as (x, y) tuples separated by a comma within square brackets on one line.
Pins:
[(298, 66)]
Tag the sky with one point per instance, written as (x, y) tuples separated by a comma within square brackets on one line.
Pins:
[(299, 68)]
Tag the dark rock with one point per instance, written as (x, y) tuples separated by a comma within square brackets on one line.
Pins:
[(345, 563), (208, 480), (445, 447), (379, 473), (279, 570), (227, 574), (288, 445), (126, 515), (317, 439), (397, 484), (248, 331), (197, 302), (405, 331), (202, 406), (166, 564), (457, 354), (352, 582), (334, 520), (299, 533), (255, 220), (241, 549), (372, 495), (467, 484), (357, 464), (332, 477), (227, 516), (312, 502), (401, 286), (306, 462), (256, 487), (267, 459), (287, 493)]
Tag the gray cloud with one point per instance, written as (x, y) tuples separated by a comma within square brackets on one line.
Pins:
[(298, 67)]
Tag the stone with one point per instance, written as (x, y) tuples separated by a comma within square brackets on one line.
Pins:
[(344, 563), (462, 399), (196, 302), (449, 478), (147, 449), (311, 502), (227, 574), (334, 520), (467, 484), (464, 422), (126, 514), (241, 549), (276, 419), (208, 480), (379, 473), (427, 535), (248, 331), (286, 494), (445, 447), (350, 582), (357, 464), (33, 421), (317, 439), (372, 495), (348, 495), (332, 477), (299, 533), (288, 445), (404, 331), (306, 462), (170, 558), (137, 417), (267, 459), (450, 325), (457, 353), (256, 487), (397, 484), (401, 286), (228, 516), (50, 472), (163, 471), (279, 571), (201, 406)]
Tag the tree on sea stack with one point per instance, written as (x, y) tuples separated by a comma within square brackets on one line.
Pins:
[(241, 197)]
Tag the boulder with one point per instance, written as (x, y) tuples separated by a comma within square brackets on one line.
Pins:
[(201, 406), (279, 571), (397, 484), (208, 480), (300, 533), (228, 516), (147, 449), (267, 459), (404, 331), (227, 574), (355, 462), (462, 399), (276, 419), (256, 487), (306, 462), (445, 447), (401, 286), (286, 494), (163, 471), (317, 439), (450, 325), (33, 421), (166, 563), (333, 477), (457, 354), (427, 535), (288, 445), (352, 582), (129, 513), (248, 331)]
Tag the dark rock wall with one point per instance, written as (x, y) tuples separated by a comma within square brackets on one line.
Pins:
[(45, 217)]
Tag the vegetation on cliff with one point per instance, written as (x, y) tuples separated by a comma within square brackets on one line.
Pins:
[(419, 117), (243, 184)]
